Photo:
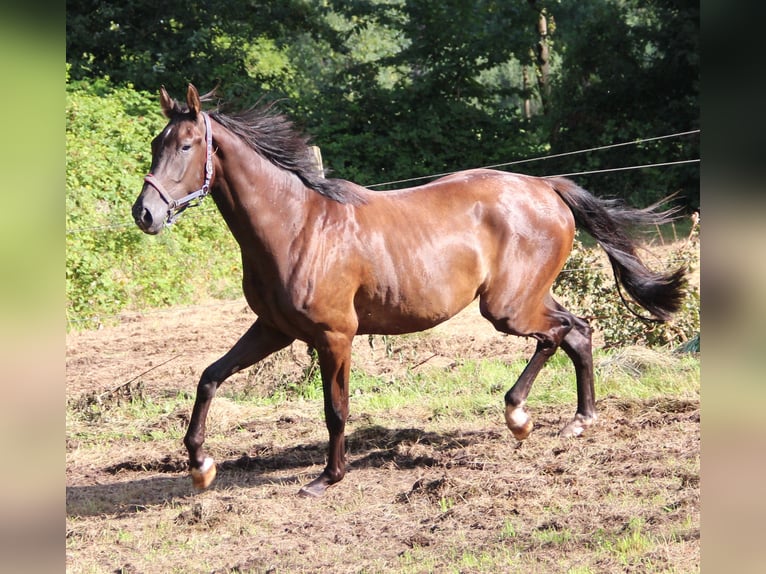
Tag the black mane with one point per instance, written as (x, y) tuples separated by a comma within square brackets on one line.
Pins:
[(273, 136)]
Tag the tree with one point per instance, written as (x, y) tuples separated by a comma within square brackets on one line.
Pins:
[(237, 43), (630, 70), (440, 98), (393, 89)]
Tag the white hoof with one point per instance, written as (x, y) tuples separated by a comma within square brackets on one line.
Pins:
[(577, 426), (204, 475), (518, 421)]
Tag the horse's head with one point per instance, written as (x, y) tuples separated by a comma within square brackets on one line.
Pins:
[(182, 164)]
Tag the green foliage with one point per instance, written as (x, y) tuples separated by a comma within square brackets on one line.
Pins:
[(586, 287), (232, 41), (110, 264), (309, 386), (424, 90), (394, 89), (630, 70)]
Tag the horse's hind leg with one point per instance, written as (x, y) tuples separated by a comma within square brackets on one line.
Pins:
[(551, 326), (516, 416), (577, 345), (256, 344)]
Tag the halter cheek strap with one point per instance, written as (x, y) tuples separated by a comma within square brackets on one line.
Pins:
[(176, 206)]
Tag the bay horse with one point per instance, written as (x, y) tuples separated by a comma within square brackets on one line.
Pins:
[(324, 259)]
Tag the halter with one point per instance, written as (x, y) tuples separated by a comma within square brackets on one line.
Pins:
[(176, 206)]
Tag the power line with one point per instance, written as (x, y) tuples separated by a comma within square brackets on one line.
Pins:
[(543, 157), (646, 165), (603, 147)]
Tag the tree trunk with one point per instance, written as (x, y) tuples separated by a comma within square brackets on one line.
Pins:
[(542, 59)]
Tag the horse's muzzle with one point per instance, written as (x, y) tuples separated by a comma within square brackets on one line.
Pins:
[(146, 221)]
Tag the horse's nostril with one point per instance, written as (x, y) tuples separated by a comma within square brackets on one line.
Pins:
[(146, 217), (142, 216)]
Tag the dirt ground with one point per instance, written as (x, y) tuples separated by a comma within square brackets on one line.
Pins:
[(420, 495)]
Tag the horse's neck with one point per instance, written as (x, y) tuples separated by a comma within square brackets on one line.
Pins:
[(263, 205)]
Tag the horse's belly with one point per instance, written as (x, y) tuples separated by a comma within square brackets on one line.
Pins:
[(411, 290), (396, 316)]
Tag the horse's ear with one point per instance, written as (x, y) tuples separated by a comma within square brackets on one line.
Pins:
[(192, 100), (166, 102)]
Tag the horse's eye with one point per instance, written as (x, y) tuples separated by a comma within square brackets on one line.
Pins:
[(186, 147)]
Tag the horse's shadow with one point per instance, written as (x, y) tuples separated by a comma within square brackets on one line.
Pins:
[(367, 447)]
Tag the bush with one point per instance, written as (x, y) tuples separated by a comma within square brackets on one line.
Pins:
[(586, 287)]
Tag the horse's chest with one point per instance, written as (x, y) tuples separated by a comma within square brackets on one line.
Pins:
[(288, 304)]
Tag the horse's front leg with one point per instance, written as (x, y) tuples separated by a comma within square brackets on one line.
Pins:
[(257, 343), (334, 351)]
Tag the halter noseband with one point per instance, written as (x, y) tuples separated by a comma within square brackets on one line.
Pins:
[(176, 206)]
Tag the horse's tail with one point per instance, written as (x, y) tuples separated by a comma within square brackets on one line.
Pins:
[(606, 221)]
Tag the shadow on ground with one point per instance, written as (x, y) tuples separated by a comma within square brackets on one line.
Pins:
[(368, 447)]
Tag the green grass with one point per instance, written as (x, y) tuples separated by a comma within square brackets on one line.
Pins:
[(474, 388), (98, 419), (630, 547), (470, 390)]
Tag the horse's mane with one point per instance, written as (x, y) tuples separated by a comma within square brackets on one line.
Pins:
[(274, 136)]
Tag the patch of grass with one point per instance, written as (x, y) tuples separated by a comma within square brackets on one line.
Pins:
[(632, 545), (460, 559), (475, 388), (635, 372), (629, 547), (471, 389), (96, 420), (446, 503), (639, 372), (486, 561), (416, 560), (552, 535), (508, 530)]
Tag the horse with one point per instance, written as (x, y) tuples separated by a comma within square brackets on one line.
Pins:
[(324, 259)]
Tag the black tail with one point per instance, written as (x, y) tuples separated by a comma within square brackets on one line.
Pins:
[(606, 221)]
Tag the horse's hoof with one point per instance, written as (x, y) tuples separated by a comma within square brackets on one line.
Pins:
[(204, 475), (519, 422), (310, 491), (577, 426), (317, 487)]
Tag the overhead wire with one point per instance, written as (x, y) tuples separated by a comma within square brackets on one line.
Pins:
[(545, 157), (646, 165)]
